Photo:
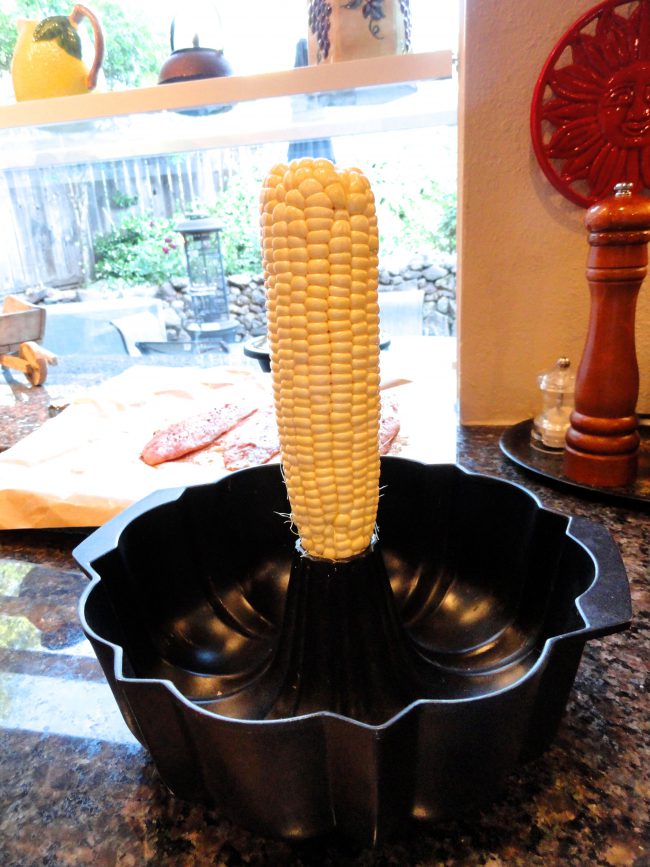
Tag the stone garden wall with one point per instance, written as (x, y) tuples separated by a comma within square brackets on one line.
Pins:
[(436, 278)]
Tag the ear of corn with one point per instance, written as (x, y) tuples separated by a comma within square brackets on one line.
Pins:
[(320, 245)]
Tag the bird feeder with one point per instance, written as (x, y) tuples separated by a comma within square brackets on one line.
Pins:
[(208, 288)]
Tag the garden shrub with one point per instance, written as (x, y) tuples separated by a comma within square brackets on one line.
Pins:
[(140, 250), (413, 218)]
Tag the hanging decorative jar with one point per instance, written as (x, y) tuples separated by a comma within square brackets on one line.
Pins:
[(196, 38), (358, 28)]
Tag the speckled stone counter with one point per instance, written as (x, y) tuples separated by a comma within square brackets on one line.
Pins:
[(76, 788)]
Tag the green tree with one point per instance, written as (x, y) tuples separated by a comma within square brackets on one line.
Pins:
[(237, 207), (134, 50), (415, 212), (7, 39)]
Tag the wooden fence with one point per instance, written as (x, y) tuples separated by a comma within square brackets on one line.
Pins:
[(50, 215)]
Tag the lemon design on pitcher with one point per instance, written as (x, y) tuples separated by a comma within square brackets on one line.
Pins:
[(47, 59)]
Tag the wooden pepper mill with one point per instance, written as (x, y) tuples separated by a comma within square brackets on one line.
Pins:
[(602, 443)]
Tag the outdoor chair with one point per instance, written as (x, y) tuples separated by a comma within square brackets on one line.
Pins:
[(401, 313), (138, 327)]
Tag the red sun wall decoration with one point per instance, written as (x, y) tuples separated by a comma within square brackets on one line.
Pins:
[(590, 117)]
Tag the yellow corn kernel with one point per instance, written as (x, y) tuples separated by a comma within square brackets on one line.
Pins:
[(309, 187), (336, 194), (318, 200), (295, 199), (297, 228)]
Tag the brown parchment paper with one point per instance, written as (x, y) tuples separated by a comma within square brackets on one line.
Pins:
[(83, 467)]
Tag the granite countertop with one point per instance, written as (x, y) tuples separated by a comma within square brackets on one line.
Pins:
[(76, 787)]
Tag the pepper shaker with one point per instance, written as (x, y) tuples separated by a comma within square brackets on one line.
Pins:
[(602, 442)]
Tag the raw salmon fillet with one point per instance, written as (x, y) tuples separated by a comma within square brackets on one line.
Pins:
[(388, 425), (194, 433), (256, 440), (240, 435)]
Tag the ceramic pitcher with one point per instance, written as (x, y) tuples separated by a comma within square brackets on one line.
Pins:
[(47, 58)]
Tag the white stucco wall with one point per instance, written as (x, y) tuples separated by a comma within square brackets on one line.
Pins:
[(524, 299)]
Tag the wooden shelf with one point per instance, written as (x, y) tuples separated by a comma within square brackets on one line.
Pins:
[(224, 91), (362, 96)]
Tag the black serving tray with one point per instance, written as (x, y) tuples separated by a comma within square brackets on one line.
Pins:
[(303, 697), (516, 444)]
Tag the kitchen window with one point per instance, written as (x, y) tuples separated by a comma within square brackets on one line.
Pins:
[(93, 202)]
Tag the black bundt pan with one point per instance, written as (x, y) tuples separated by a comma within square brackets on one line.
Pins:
[(302, 698)]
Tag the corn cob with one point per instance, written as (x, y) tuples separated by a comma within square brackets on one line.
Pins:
[(320, 246)]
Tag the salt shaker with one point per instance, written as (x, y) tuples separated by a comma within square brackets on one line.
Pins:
[(558, 388)]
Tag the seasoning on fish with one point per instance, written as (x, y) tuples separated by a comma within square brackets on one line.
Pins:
[(254, 441), (194, 433)]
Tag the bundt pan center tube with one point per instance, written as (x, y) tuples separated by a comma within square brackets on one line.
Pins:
[(403, 683)]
